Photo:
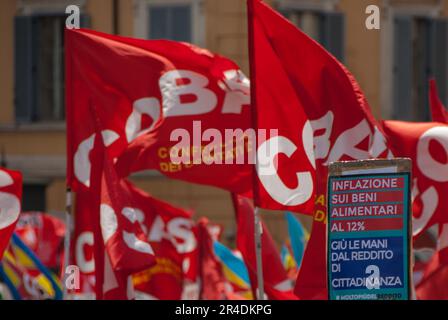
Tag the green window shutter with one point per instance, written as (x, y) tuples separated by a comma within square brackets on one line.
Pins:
[(439, 55), (85, 21), (25, 68), (402, 70), (332, 33), (172, 22)]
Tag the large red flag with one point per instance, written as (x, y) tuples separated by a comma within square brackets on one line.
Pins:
[(285, 158), (177, 109), (276, 282), (10, 204), (438, 111), (169, 231), (119, 245), (427, 145), (327, 92), (175, 94)]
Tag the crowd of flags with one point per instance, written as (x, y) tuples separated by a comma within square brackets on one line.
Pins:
[(124, 99)]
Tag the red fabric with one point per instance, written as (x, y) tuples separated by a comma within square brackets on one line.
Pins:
[(82, 247), (158, 90), (311, 281), (328, 93), (438, 111), (43, 234), (286, 176), (433, 284), (155, 86), (120, 246), (427, 145), (129, 250), (276, 283), (169, 230), (10, 204), (213, 281)]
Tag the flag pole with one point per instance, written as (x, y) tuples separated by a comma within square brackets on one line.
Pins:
[(67, 237), (257, 222), (258, 232)]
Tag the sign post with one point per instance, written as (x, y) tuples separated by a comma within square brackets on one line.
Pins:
[(369, 230)]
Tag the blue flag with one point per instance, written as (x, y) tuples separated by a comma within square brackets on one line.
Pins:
[(25, 275), (298, 237), (234, 269)]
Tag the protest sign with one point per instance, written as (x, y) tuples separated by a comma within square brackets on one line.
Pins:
[(369, 231)]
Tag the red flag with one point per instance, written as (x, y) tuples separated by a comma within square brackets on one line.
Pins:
[(276, 282), (285, 159), (10, 204), (324, 88), (170, 232), (213, 281), (433, 285), (82, 248), (43, 234), (120, 246), (427, 145), (155, 89), (438, 111), (127, 248), (328, 93), (311, 280), (170, 100)]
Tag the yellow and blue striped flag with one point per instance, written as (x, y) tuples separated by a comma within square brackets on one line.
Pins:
[(298, 236), (25, 276), (234, 269)]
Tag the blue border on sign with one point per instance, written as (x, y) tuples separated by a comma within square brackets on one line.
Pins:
[(389, 293)]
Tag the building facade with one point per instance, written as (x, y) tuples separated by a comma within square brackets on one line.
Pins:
[(392, 66)]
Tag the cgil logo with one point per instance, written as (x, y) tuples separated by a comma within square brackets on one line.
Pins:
[(178, 231), (318, 139)]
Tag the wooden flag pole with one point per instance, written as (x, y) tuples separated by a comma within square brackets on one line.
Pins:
[(258, 256), (67, 237)]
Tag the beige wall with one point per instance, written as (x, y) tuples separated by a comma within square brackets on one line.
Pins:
[(7, 13), (226, 30), (100, 12), (362, 50), (55, 195), (126, 19), (33, 142)]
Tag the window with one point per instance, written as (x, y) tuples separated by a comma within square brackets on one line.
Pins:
[(420, 52), (171, 22), (34, 197), (327, 28), (39, 68)]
